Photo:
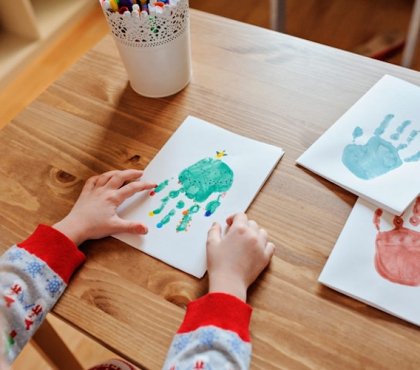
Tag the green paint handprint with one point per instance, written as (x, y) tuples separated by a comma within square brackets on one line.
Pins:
[(198, 182)]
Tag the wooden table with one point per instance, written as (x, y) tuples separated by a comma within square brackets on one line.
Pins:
[(255, 82)]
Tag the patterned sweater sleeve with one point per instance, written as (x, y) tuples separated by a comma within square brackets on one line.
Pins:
[(33, 275), (213, 335)]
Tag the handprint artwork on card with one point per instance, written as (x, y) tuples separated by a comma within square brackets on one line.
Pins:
[(379, 155), (373, 149), (397, 256), (204, 174), (198, 182), (376, 259)]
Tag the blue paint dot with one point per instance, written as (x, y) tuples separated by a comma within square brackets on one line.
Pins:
[(159, 225), (207, 214)]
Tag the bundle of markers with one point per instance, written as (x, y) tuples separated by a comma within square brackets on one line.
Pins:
[(153, 39), (146, 23), (139, 8)]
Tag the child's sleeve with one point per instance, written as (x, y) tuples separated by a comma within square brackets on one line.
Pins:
[(214, 335), (33, 275)]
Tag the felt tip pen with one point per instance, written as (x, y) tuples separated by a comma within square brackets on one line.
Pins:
[(125, 4), (144, 6), (135, 10), (106, 5), (114, 5)]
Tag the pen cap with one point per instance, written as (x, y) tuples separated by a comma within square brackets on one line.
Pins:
[(154, 46)]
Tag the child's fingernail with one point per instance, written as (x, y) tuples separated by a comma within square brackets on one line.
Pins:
[(141, 229)]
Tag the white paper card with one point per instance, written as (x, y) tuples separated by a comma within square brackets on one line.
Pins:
[(373, 150), (377, 260), (204, 174)]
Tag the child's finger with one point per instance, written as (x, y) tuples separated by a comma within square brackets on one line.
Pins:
[(269, 250), (229, 220), (264, 236), (90, 183), (130, 227), (240, 219), (254, 226), (132, 188), (104, 178), (214, 235), (119, 178)]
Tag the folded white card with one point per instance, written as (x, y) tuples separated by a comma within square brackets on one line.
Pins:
[(377, 260), (373, 150), (204, 174)]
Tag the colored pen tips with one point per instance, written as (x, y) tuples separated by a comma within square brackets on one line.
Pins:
[(137, 7), (114, 5)]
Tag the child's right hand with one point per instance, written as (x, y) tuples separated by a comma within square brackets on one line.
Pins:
[(235, 260)]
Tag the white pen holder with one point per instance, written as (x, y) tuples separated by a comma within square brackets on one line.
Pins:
[(155, 48)]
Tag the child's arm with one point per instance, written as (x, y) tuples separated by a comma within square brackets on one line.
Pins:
[(215, 331), (34, 273)]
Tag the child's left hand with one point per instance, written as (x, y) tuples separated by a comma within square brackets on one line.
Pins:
[(94, 214)]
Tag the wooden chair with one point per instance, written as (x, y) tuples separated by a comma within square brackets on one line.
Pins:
[(277, 19), (52, 348), (412, 36), (278, 24)]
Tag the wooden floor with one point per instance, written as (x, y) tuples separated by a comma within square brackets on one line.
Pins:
[(350, 25), (88, 352)]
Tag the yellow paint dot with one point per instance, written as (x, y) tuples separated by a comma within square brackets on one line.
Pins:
[(151, 213)]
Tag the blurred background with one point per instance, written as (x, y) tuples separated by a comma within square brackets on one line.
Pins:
[(376, 28), (39, 39)]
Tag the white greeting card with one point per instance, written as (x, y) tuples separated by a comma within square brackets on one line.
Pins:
[(373, 150), (377, 260), (204, 174)]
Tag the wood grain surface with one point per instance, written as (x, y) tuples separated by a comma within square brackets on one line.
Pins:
[(257, 83)]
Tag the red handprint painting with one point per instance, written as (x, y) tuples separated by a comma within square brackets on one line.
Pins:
[(397, 256), (377, 259)]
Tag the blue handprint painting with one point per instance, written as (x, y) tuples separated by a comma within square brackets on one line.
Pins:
[(381, 154), (373, 150)]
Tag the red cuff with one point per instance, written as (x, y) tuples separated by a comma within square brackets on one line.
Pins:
[(55, 249), (218, 309)]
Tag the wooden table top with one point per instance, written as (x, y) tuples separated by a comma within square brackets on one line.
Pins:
[(258, 83)]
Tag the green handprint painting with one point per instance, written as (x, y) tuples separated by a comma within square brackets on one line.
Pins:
[(378, 156), (207, 178)]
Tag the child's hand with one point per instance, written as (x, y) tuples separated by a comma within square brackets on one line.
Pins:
[(235, 259), (94, 214)]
